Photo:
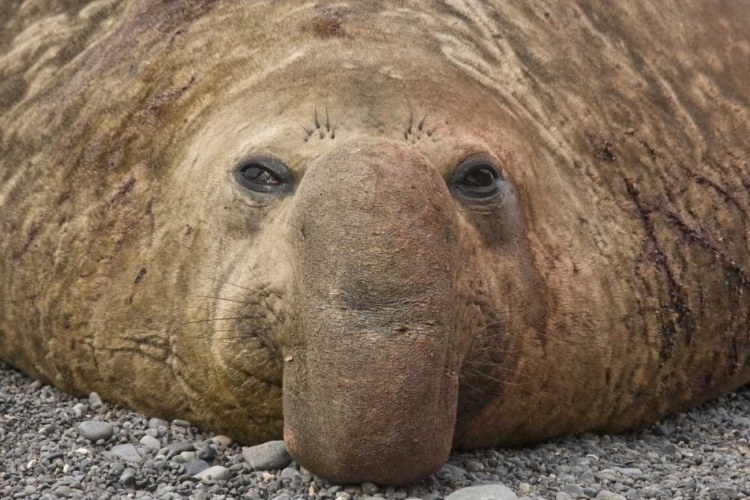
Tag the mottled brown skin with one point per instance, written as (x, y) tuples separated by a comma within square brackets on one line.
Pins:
[(371, 315)]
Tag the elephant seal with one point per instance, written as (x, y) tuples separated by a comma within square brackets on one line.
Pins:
[(381, 230)]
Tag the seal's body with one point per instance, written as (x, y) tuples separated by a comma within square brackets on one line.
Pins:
[(380, 229)]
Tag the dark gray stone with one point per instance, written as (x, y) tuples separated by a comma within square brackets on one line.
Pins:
[(267, 456), (194, 467)]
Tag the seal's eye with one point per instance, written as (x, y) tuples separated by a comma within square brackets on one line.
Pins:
[(258, 174), (263, 174), (476, 178)]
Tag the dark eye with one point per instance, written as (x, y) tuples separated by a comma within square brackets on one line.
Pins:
[(477, 178), (262, 174)]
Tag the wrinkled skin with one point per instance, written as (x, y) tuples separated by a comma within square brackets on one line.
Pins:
[(368, 312)]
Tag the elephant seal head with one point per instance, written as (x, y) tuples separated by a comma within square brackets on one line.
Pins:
[(368, 247), (379, 230)]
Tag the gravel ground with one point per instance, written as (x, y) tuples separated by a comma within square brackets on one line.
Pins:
[(47, 452)]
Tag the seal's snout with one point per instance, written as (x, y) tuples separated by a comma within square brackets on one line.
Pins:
[(371, 394)]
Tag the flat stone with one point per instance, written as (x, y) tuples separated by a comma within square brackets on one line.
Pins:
[(150, 442), (484, 492), (451, 469), (608, 495), (181, 423), (606, 475), (289, 473), (94, 431), (215, 473), (178, 447), (194, 467), (574, 490), (125, 452), (62, 492), (629, 471), (267, 456), (222, 440)]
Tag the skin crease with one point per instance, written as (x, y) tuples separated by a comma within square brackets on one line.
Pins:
[(604, 287)]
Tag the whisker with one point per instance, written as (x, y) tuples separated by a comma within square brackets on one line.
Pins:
[(476, 372), (228, 300), (497, 350), (497, 365), (463, 381), (218, 319), (302, 233)]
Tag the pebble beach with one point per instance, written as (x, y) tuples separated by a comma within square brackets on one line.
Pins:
[(53, 445)]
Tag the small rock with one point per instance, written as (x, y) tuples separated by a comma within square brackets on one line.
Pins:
[(669, 449), (95, 401), (222, 440), (194, 467), (629, 471), (587, 477), (155, 423), (267, 456), (608, 495), (606, 475), (63, 491), (80, 409), (215, 473), (450, 469), (591, 492), (207, 453), (48, 429), (178, 447), (561, 495), (289, 473), (484, 492), (369, 488), (474, 466), (94, 431), (125, 452), (117, 467), (36, 385), (181, 423), (188, 455), (150, 442), (524, 488), (661, 430), (128, 476), (574, 490)]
